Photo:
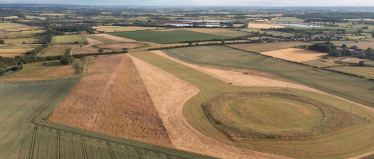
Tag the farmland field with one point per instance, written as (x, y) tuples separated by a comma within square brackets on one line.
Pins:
[(168, 36), (218, 31), (24, 134), (346, 86), (367, 72), (125, 114), (262, 47), (296, 55), (275, 33), (38, 71), (210, 88), (68, 39), (33, 32), (120, 29), (55, 51), (290, 20)]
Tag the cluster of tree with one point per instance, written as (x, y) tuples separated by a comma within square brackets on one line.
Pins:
[(67, 60), (331, 16), (61, 30), (326, 47)]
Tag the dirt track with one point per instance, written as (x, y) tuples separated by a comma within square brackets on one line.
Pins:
[(169, 100)]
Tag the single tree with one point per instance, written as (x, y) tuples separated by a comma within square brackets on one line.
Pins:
[(101, 50)]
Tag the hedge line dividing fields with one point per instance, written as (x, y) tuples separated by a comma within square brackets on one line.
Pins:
[(24, 133)]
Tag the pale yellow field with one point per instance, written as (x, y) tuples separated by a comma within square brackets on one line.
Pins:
[(293, 54), (262, 26)]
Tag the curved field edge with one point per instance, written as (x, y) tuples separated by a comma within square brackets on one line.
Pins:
[(359, 138), (352, 88), (169, 100), (25, 134)]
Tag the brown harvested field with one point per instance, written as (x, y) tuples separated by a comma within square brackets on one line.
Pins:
[(262, 47), (85, 49), (14, 52), (115, 38), (112, 100), (169, 100), (262, 26), (293, 54), (38, 71)]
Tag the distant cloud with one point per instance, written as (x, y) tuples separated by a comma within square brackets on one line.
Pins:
[(203, 2)]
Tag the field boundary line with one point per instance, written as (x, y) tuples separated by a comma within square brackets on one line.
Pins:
[(84, 149), (110, 150), (31, 153)]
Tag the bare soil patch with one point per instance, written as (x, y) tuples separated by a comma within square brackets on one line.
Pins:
[(169, 100), (293, 54), (112, 100)]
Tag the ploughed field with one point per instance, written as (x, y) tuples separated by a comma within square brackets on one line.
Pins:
[(174, 36), (343, 122)]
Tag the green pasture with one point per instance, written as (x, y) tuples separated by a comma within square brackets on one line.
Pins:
[(168, 36)]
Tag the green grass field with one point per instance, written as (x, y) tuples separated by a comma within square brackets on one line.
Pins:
[(337, 145), (24, 134), (290, 20), (367, 72), (32, 32), (349, 87), (68, 39), (168, 36), (262, 113), (275, 33)]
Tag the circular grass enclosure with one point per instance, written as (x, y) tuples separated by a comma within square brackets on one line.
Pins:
[(236, 118), (273, 113)]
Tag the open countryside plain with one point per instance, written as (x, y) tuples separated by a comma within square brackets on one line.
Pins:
[(210, 87), (169, 36)]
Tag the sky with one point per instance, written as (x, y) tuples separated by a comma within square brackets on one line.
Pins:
[(201, 2)]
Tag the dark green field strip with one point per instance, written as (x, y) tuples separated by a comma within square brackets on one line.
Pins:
[(24, 134), (168, 36), (353, 88)]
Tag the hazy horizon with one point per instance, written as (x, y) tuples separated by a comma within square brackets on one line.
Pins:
[(242, 3)]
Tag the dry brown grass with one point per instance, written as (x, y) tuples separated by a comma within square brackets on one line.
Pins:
[(293, 54), (112, 100), (115, 38), (37, 71)]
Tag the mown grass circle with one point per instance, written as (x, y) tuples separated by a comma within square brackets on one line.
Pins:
[(273, 113), (247, 115)]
